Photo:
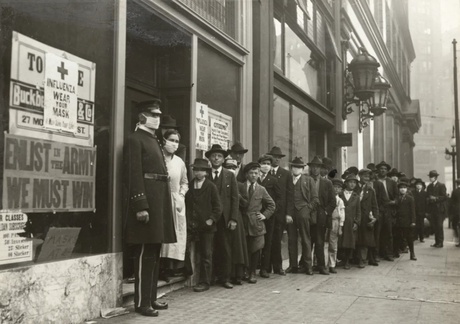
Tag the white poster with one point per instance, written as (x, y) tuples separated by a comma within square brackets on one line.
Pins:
[(14, 248), (29, 67), (220, 133), (201, 126), (61, 77)]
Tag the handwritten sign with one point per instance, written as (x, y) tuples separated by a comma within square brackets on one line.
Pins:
[(219, 132), (61, 76), (201, 127), (39, 71), (59, 243), (13, 248), (41, 175)]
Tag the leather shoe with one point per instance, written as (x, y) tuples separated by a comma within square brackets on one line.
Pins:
[(227, 285), (361, 265), (264, 274), (323, 271), (302, 270), (292, 270), (281, 272), (396, 255), (147, 311), (422, 241), (252, 279), (201, 287), (309, 272), (332, 270), (413, 258), (238, 282), (434, 245), (159, 305), (346, 266), (373, 263), (389, 258)]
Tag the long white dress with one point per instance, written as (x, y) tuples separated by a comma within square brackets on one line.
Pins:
[(179, 186)]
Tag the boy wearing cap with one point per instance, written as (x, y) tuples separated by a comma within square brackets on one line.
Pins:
[(405, 217), (338, 218), (203, 210), (420, 208), (260, 207), (437, 196)]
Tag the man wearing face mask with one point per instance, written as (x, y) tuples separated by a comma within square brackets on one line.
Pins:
[(150, 220), (437, 195), (305, 200)]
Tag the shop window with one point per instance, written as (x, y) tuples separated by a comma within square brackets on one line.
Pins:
[(66, 194), (278, 44), (300, 133)]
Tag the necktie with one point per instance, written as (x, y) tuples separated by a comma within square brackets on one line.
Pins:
[(216, 175), (251, 190), (262, 177), (273, 172)]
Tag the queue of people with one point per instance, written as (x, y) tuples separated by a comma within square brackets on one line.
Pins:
[(236, 213)]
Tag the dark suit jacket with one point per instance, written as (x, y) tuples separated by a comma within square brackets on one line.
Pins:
[(420, 202), (405, 214), (241, 177), (385, 196), (309, 193), (439, 191), (260, 201), (270, 183), (286, 189), (322, 215), (228, 193)]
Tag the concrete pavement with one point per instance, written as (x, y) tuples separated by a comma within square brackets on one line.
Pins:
[(404, 291)]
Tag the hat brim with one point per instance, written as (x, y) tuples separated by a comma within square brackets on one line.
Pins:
[(239, 151), (297, 165), (313, 164), (383, 164), (433, 175), (208, 154), (276, 154), (194, 167)]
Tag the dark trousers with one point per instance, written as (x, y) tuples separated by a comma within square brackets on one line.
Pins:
[(404, 234), (222, 255), (420, 219), (300, 227), (266, 257), (205, 247), (377, 229), (318, 233), (146, 270), (438, 226), (386, 234), (254, 257), (276, 258)]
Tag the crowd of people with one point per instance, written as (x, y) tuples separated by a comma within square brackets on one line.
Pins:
[(235, 214)]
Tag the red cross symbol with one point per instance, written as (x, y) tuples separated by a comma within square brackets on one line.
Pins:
[(62, 70)]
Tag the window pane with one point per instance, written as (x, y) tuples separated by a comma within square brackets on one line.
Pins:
[(278, 43), (300, 130), (281, 136), (301, 66)]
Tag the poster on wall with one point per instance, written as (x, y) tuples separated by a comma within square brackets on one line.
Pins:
[(13, 248), (48, 83), (201, 126), (220, 129), (47, 176)]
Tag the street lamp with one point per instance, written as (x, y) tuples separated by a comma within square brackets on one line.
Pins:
[(452, 154), (365, 88)]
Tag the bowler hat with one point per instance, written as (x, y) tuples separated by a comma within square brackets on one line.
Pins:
[(149, 106), (337, 182), (383, 163), (316, 161), (265, 157), (168, 121), (200, 163), (364, 171), (351, 177), (327, 162), (250, 166), (297, 162), (276, 151), (393, 173), (216, 148), (238, 148), (230, 163), (433, 173)]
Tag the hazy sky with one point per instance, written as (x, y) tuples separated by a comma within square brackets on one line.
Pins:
[(450, 13)]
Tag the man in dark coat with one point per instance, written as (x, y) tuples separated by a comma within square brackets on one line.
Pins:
[(226, 184), (150, 221), (420, 208), (322, 215), (280, 216), (237, 152), (405, 217), (386, 191), (436, 199), (304, 201), (455, 202), (270, 183)]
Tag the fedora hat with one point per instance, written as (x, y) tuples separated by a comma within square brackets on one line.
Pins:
[(433, 173), (297, 162), (337, 182), (149, 106), (276, 151), (168, 121), (230, 163), (393, 173), (216, 148), (265, 157), (383, 163), (237, 148), (316, 161), (201, 163), (351, 177), (250, 166), (327, 162), (403, 182), (371, 166)]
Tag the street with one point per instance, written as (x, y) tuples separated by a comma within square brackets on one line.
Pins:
[(404, 291)]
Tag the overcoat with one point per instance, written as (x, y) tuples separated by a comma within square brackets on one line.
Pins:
[(420, 203), (144, 158), (309, 194), (352, 216), (322, 214), (368, 202), (286, 190), (405, 211), (270, 183), (228, 192), (437, 207)]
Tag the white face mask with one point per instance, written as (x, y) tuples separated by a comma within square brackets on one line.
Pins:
[(403, 190), (170, 146), (265, 168), (152, 122), (296, 171)]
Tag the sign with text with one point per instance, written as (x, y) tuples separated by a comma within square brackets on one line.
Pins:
[(41, 176), (201, 126), (14, 248), (48, 82), (220, 129), (59, 243), (343, 139), (60, 111)]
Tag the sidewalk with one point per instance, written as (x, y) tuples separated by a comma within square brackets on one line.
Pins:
[(404, 291)]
